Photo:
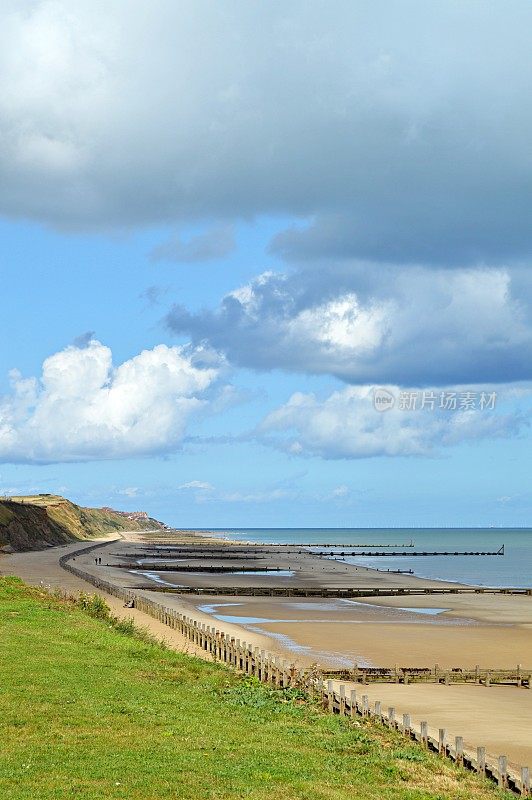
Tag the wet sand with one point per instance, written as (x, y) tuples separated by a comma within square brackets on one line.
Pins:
[(341, 632), (449, 630)]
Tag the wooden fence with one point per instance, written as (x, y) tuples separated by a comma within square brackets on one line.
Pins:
[(279, 673)]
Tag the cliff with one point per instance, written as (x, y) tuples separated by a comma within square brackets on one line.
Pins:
[(38, 521)]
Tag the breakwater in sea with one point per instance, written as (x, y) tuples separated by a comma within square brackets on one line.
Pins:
[(514, 569)]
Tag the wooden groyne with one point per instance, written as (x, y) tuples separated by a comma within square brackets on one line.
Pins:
[(181, 553), (219, 556), (481, 676), (195, 568), (249, 545), (277, 672), (313, 591)]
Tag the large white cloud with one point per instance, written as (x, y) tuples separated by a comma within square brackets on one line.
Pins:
[(400, 131), (347, 425), (413, 327), (83, 408)]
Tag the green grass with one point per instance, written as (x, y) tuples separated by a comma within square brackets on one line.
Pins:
[(89, 710)]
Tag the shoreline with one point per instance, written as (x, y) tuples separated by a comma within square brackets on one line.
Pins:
[(225, 535)]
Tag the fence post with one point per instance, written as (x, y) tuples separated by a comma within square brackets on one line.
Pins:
[(424, 733), (391, 717), (481, 760), (330, 696), (459, 750), (441, 741), (278, 676), (407, 725), (321, 692), (267, 669), (525, 782), (249, 660), (353, 703), (378, 710), (365, 705), (342, 700), (503, 772)]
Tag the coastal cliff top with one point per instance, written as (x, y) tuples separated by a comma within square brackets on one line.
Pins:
[(33, 522)]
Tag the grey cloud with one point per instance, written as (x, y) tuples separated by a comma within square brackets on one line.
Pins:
[(399, 131), (442, 232), (209, 246), (416, 327)]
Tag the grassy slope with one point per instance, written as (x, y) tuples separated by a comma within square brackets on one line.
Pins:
[(51, 519), (88, 712)]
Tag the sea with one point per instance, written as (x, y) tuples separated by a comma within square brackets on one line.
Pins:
[(514, 568)]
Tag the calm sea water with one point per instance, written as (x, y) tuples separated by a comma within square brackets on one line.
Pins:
[(512, 569)]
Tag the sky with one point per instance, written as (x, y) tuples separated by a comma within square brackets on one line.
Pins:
[(268, 265)]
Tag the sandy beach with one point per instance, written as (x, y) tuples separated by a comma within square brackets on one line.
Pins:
[(448, 630)]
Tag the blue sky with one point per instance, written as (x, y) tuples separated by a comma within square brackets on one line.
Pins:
[(210, 263)]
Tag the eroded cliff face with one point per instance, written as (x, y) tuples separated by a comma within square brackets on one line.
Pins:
[(36, 522)]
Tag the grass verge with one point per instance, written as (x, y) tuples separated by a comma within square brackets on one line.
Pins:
[(91, 710)]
